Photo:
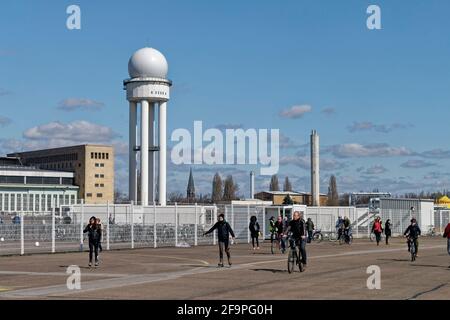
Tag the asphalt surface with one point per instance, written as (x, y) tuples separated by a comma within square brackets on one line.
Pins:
[(334, 272)]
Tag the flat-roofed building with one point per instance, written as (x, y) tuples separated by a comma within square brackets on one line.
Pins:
[(92, 165), (29, 189), (277, 197)]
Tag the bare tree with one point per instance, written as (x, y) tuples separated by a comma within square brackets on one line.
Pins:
[(230, 189), (287, 185), (274, 186), (217, 189), (333, 196)]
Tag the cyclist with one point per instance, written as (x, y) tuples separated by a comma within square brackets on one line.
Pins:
[(279, 230), (223, 230), (339, 227), (297, 226), (412, 233), (347, 227), (272, 228), (377, 228)]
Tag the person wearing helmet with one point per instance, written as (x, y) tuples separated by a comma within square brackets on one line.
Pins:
[(412, 233)]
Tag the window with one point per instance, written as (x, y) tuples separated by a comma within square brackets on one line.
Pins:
[(99, 195), (103, 155), (92, 155), (102, 164), (97, 164), (107, 156), (102, 175), (97, 175), (96, 185), (102, 185), (89, 195)]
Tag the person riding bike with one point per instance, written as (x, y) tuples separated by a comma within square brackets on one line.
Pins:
[(339, 227), (297, 226), (279, 229), (412, 233), (347, 227), (272, 228)]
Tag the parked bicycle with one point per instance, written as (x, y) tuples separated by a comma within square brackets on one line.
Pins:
[(294, 256), (317, 235)]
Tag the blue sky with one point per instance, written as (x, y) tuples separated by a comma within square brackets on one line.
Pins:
[(378, 98)]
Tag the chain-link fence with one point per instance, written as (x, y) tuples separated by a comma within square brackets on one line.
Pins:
[(127, 226)]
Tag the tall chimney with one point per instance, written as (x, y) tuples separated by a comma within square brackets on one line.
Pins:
[(252, 185), (315, 180)]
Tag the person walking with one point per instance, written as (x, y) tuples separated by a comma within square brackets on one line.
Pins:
[(223, 231), (254, 232), (447, 235), (387, 230), (99, 224), (310, 229), (94, 235), (377, 229)]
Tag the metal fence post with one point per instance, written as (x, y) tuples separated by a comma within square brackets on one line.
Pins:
[(440, 222), (108, 215), (232, 216), (81, 224), (248, 219), (212, 222), (390, 218), (53, 225), (22, 236), (154, 226), (264, 226), (401, 223), (176, 224), (132, 223), (196, 227)]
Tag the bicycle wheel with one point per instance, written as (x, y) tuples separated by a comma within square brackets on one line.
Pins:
[(341, 239), (300, 263), (413, 251), (291, 260), (350, 239), (318, 237)]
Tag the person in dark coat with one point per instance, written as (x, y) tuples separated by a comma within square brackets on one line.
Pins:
[(298, 228), (387, 230), (94, 235), (223, 231), (309, 228), (254, 231)]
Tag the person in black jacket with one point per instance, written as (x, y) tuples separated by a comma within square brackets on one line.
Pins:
[(297, 226), (412, 233), (94, 234), (387, 230), (254, 231), (223, 231)]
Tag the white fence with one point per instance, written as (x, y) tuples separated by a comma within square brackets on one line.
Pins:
[(131, 226)]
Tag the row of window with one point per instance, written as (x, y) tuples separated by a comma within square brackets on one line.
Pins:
[(99, 185), (55, 166), (55, 158), (35, 180), (33, 202), (100, 165), (89, 195), (99, 175), (100, 155)]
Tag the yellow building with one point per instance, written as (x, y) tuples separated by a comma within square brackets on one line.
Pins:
[(277, 197), (443, 202), (93, 167)]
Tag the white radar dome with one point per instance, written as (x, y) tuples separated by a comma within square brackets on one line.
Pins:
[(148, 62)]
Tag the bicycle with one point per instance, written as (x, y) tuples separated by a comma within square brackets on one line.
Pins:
[(275, 243), (317, 235), (373, 237), (412, 249), (294, 256), (346, 237)]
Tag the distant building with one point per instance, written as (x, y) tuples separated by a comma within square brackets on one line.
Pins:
[(92, 166), (277, 197), (29, 189), (190, 192)]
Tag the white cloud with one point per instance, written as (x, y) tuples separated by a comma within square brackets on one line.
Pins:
[(377, 169), (72, 104), (80, 131), (349, 150), (368, 125), (305, 163), (417, 164), (4, 121), (296, 112), (329, 111)]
